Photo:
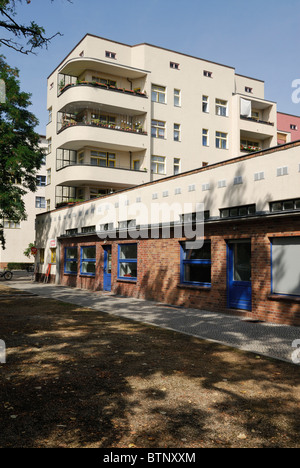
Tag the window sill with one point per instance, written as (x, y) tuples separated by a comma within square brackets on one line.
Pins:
[(125, 280), (192, 286), (282, 298), (87, 276)]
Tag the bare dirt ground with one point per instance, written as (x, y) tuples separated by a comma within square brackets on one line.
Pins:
[(76, 377)]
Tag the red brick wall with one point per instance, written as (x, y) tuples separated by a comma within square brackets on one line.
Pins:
[(159, 270)]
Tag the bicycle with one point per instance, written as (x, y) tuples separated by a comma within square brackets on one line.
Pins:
[(7, 275)]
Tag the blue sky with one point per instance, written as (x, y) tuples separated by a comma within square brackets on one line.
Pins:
[(260, 38)]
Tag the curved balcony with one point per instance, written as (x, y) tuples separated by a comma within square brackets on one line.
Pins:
[(75, 135), (86, 174), (105, 95)]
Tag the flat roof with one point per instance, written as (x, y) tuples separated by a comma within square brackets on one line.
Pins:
[(149, 45)]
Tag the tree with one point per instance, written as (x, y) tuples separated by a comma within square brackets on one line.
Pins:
[(20, 154), (32, 33)]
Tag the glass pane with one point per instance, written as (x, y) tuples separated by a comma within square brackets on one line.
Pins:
[(288, 205), (128, 270), (88, 267), (197, 273), (89, 252), (242, 262), (71, 253), (128, 251), (71, 267), (199, 254)]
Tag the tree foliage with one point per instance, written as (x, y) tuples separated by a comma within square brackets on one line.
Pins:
[(20, 154), (24, 38)]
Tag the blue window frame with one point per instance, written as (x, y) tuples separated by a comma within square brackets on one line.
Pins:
[(195, 265), (71, 260), (88, 261), (127, 262)]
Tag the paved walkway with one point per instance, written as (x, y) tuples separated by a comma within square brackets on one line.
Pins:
[(261, 338)]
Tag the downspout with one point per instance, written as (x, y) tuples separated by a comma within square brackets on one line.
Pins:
[(130, 83)]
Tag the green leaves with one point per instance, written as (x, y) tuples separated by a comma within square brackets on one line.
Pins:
[(20, 155)]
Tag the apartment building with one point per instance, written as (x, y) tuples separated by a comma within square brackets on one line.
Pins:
[(288, 128), (121, 116), (140, 242), (19, 235)]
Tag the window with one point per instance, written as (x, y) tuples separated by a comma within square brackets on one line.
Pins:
[(88, 261), (221, 183), (238, 180), (196, 217), (53, 256), (174, 66), (48, 176), (221, 107), (177, 97), (158, 164), (136, 165), (71, 232), (221, 140), (159, 94), (285, 205), (111, 55), (205, 137), (40, 202), (8, 224), (106, 227), (103, 159), (282, 171), (128, 224), (71, 260), (196, 265), (259, 176), (205, 187), (293, 127), (104, 81), (41, 181), (42, 256), (248, 90), (88, 229), (158, 129), (177, 129), (205, 104), (49, 145), (176, 166), (208, 74), (127, 262), (238, 211), (50, 115), (286, 266)]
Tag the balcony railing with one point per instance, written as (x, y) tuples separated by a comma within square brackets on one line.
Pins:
[(94, 84), (250, 148), (253, 119), (70, 121), (61, 164)]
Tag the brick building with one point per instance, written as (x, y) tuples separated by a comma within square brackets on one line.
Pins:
[(137, 242)]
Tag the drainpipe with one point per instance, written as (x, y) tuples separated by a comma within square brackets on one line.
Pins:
[(130, 152), (130, 83)]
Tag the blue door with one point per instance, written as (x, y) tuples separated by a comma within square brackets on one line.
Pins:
[(239, 286), (107, 268)]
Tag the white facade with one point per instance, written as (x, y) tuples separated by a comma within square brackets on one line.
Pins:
[(121, 116), (19, 236)]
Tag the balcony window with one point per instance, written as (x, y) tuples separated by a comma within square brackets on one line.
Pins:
[(158, 129), (65, 158), (248, 145), (158, 164), (221, 108), (221, 140), (127, 261), (97, 79), (159, 94), (103, 159)]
